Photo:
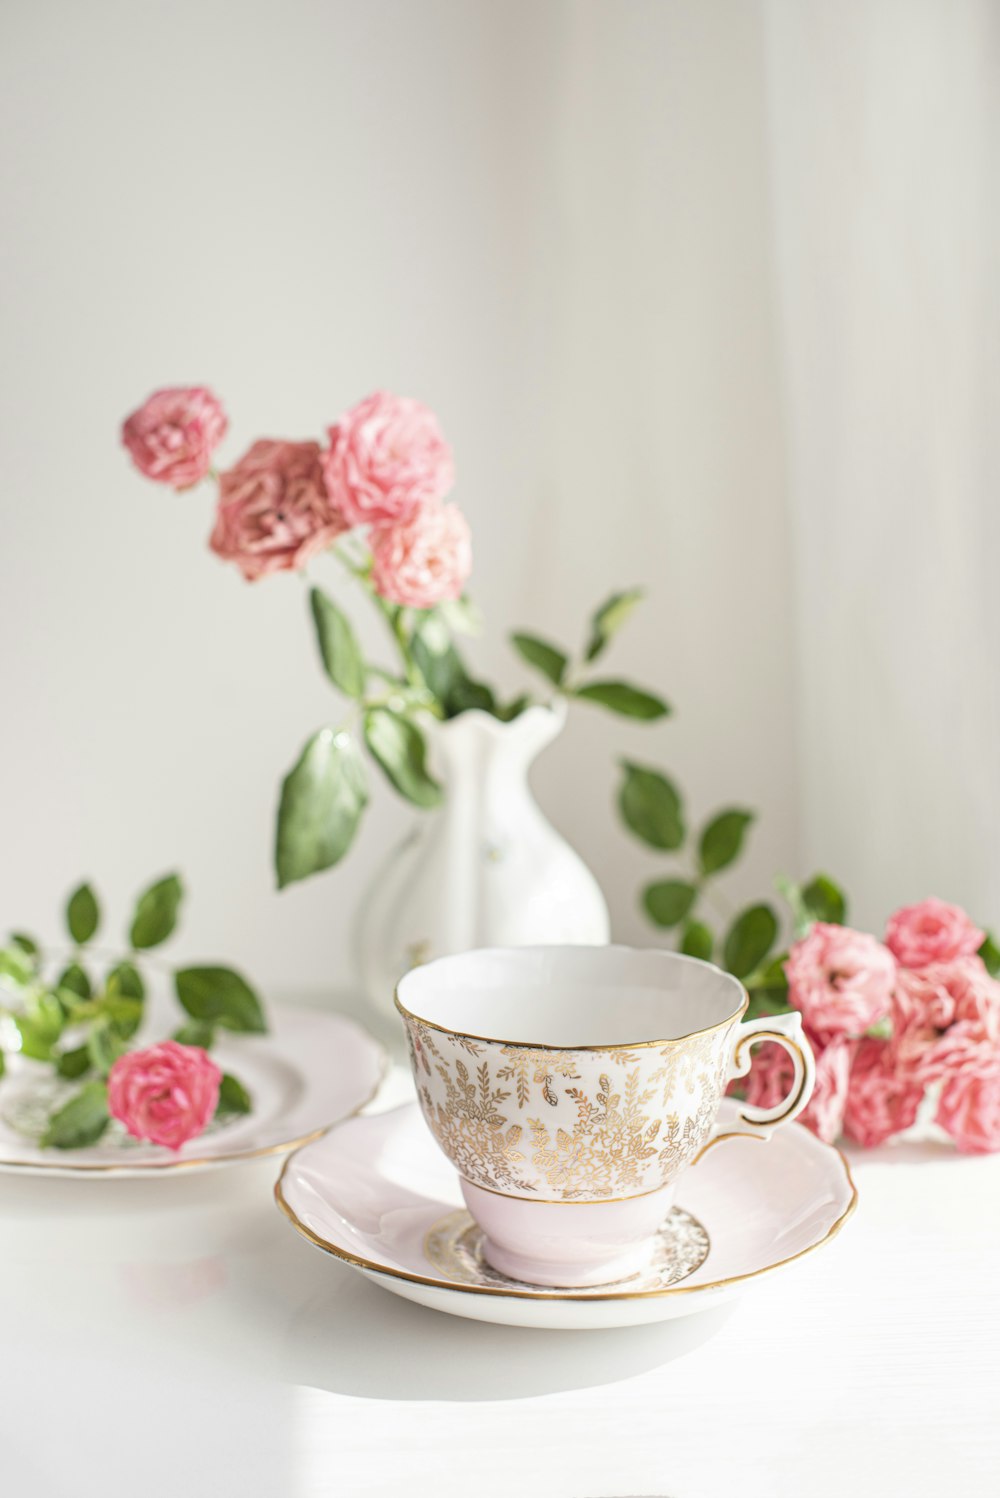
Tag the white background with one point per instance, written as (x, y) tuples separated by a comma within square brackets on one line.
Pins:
[(704, 295)]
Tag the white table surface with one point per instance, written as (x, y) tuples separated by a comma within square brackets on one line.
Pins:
[(177, 1337)]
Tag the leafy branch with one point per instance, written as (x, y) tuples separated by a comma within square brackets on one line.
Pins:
[(78, 1017)]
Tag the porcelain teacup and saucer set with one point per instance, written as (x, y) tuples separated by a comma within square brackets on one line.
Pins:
[(577, 1163)]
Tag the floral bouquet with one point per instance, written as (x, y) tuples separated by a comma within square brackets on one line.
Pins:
[(375, 497), (894, 1023)]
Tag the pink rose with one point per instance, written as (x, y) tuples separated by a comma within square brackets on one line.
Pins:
[(172, 437), (946, 1021), (930, 932), (771, 1075), (166, 1094), (881, 1101), (274, 512), (424, 560), (386, 458), (969, 1110), (841, 980)]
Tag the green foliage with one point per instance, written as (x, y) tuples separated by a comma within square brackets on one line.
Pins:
[(669, 901), (990, 953), (83, 915), (697, 940), (399, 747), (195, 1032), (74, 980), (442, 668), (623, 698), (219, 996), (608, 620), (75, 1063), (548, 659), (322, 799), (156, 913), (233, 1097), (81, 1121), (722, 840), (338, 647), (651, 807), (749, 939), (40, 1024), (824, 901)]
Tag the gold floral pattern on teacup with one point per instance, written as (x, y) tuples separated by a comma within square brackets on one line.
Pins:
[(528, 1121)]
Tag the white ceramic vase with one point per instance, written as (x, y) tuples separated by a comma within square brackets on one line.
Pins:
[(484, 870)]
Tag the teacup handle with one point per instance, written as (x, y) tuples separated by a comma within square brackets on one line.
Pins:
[(785, 1030)]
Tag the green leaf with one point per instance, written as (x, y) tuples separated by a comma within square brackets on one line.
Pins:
[(123, 1015), (697, 940), (75, 1063), (219, 996), (195, 1032), (40, 1026), (990, 953), (669, 902), (28, 945), (125, 981), (651, 807), (722, 840), (105, 1045), (73, 979), (749, 939), (3, 1063), (342, 658), (156, 913), (508, 711), (322, 798), (83, 914), (546, 658), (401, 750), (17, 966), (233, 1097), (824, 901), (609, 618), (621, 697), (81, 1121), (442, 668)]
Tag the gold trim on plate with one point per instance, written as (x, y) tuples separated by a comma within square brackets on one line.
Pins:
[(372, 1267)]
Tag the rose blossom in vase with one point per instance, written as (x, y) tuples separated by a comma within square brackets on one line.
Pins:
[(172, 436)]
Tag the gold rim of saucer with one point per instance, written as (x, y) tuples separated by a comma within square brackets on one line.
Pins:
[(636, 1045), (359, 1262)]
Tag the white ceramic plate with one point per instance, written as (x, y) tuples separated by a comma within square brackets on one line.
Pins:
[(377, 1193), (310, 1070)]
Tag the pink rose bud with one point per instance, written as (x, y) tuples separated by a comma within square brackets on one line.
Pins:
[(424, 560), (274, 512), (932, 931), (166, 1094), (171, 438), (386, 458), (841, 980)]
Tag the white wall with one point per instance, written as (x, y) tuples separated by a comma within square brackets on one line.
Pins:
[(548, 221)]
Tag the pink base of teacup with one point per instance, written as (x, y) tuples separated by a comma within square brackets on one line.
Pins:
[(567, 1244)]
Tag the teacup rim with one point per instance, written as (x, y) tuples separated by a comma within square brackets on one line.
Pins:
[(529, 1045)]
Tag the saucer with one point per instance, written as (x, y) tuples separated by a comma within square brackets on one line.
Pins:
[(376, 1192), (309, 1071)]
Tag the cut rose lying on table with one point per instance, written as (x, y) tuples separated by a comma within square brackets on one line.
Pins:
[(891, 1024)]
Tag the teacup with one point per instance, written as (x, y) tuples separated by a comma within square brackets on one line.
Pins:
[(571, 1086)]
